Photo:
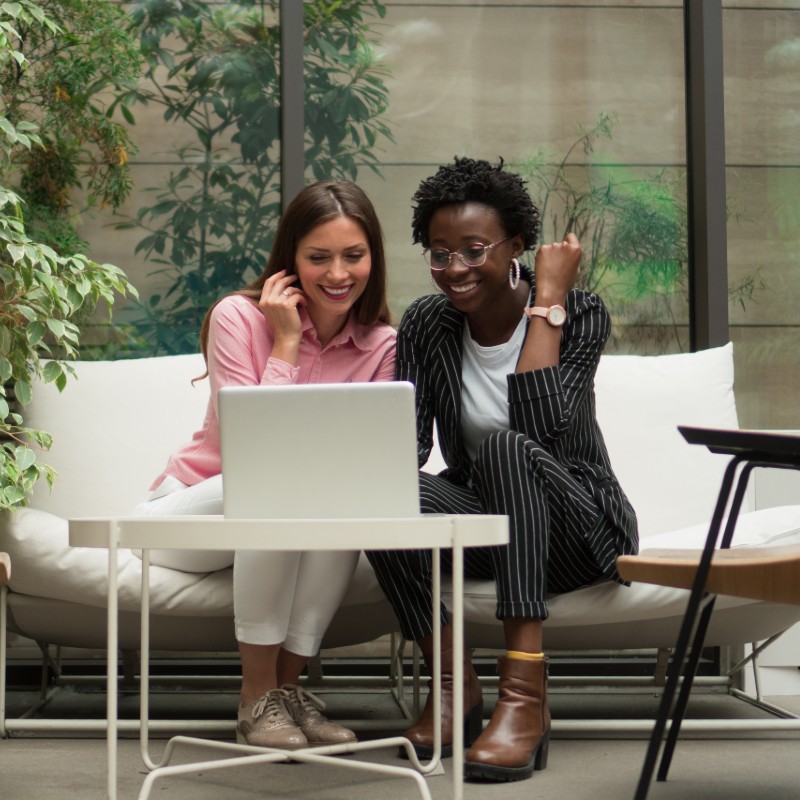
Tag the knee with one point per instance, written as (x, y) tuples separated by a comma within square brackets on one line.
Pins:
[(506, 451), (499, 448)]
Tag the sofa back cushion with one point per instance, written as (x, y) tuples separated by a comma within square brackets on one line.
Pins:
[(113, 429), (116, 424), (640, 402)]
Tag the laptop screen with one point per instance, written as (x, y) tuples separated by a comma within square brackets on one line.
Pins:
[(319, 451)]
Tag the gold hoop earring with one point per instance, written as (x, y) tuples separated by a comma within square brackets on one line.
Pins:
[(514, 274)]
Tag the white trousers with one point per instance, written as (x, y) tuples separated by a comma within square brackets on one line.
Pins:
[(278, 598)]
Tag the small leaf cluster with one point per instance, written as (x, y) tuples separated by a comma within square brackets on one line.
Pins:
[(632, 229), (41, 291)]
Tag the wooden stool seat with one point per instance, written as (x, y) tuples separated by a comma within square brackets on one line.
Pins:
[(757, 573)]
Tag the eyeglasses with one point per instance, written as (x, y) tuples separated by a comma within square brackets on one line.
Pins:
[(474, 255)]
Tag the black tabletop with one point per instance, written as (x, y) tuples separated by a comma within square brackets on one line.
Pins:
[(753, 445)]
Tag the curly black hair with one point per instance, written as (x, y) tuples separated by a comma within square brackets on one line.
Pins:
[(469, 179)]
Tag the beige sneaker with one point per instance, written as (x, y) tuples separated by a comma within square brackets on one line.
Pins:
[(306, 709), (267, 722)]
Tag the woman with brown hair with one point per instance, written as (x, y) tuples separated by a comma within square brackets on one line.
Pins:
[(317, 314)]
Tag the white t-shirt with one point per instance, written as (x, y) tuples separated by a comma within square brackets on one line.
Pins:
[(484, 393)]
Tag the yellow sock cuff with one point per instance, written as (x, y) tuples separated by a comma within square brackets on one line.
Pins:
[(524, 656)]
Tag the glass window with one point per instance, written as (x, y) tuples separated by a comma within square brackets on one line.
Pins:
[(762, 132), (588, 101), (207, 173)]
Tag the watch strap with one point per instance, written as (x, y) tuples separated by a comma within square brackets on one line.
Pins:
[(537, 311), (556, 315)]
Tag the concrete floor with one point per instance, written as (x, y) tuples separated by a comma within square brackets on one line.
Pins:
[(577, 770), (765, 767)]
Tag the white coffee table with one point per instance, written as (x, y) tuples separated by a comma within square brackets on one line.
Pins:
[(433, 532)]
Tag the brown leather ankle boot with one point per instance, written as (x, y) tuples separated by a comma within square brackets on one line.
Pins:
[(421, 734), (516, 740)]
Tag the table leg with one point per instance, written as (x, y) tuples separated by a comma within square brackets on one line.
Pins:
[(458, 665), (702, 626), (736, 504), (686, 631), (434, 763), (112, 635), (686, 687), (144, 665), (436, 687)]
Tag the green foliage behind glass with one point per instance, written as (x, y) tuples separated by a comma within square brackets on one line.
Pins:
[(72, 72), (214, 69), (633, 231)]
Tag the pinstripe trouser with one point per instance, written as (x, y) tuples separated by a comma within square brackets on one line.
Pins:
[(551, 516)]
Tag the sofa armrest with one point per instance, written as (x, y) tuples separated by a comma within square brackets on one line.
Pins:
[(5, 567)]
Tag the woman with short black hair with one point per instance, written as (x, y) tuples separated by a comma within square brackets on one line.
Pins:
[(503, 360)]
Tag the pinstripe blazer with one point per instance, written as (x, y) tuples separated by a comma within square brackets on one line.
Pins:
[(554, 406)]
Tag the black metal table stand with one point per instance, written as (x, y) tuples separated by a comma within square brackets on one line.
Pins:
[(749, 450)]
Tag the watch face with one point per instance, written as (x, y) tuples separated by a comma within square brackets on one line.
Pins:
[(556, 315)]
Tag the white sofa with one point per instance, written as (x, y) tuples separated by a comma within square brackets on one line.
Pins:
[(114, 427)]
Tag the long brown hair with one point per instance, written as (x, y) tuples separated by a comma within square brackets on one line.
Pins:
[(318, 203)]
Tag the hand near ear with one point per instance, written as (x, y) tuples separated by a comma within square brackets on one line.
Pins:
[(278, 303)]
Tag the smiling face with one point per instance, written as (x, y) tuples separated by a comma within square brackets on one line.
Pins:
[(473, 290), (333, 263)]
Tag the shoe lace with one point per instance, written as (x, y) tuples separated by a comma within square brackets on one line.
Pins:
[(271, 705), (308, 701)]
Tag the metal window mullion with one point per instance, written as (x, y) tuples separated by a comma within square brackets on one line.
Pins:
[(292, 100), (705, 159)]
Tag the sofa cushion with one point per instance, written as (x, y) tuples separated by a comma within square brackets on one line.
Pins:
[(610, 615), (113, 428), (641, 400), (46, 566), (95, 423)]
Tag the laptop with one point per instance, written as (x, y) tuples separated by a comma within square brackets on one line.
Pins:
[(319, 451)]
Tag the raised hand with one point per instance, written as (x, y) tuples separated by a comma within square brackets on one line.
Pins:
[(279, 302), (556, 268)]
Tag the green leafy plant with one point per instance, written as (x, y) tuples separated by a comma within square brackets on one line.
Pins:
[(633, 231), (41, 291), (214, 70)]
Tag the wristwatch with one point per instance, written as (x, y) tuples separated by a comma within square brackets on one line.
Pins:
[(555, 315)]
